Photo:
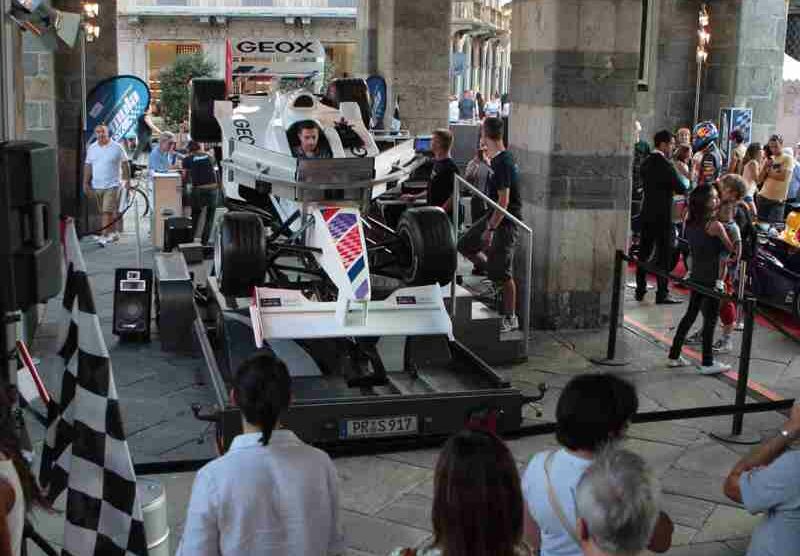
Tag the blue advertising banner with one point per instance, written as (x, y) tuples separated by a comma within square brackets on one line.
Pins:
[(377, 92), (118, 102), (732, 119)]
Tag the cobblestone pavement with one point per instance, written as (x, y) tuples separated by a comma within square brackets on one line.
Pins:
[(386, 499)]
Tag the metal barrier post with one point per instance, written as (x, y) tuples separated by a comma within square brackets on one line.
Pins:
[(737, 435), (456, 209), (744, 363), (613, 319)]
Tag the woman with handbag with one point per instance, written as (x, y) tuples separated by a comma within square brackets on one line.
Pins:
[(477, 505), (592, 412)]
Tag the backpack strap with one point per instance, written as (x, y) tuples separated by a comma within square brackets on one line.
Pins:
[(555, 505)]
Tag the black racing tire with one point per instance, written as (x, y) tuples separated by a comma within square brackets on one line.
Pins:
[(203, 126), (427, 235), (240, 254)]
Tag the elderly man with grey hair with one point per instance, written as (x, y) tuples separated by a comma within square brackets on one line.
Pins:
[(617, 505)]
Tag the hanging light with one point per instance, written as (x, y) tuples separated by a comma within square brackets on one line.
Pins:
[(91, 9)]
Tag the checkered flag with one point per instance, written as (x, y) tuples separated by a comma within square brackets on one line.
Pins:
[(85, 453)]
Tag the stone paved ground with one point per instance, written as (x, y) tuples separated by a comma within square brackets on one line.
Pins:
[(386, 499)]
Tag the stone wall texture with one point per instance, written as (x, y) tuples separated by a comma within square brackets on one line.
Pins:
[(575, 68)]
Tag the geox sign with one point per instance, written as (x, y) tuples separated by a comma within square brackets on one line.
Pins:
[(280, 47)]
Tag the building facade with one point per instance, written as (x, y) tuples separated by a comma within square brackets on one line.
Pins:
[(481, 46), (152, 33)]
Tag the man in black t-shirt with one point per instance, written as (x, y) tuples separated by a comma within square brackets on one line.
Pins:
[(491, 241), (439, 192), (198, 168)]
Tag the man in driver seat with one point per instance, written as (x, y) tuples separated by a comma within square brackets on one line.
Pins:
[(308, 134)]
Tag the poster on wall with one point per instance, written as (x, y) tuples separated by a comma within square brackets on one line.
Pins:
[(118, 102), (731, 119)]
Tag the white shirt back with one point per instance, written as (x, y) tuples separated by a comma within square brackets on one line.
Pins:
[(106, 164), (280, 499), (565, 472)]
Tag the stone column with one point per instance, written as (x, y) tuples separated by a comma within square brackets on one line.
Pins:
[(573, 85), (746, 61), (101, 57), (409, 43), (367, 30)]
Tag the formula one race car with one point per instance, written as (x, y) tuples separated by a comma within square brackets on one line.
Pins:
[(774, 277), (299, 238)]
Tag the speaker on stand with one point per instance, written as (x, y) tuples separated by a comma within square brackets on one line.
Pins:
[(133, 294)]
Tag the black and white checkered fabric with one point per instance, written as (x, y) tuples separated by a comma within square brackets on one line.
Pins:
[(86, 456)]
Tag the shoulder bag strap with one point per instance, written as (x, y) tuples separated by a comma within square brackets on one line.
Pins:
[(554, 503)]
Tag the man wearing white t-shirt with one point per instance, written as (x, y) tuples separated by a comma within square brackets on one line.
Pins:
[(106, 168)]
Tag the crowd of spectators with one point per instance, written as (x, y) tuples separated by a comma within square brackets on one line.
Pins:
[(689, 190)]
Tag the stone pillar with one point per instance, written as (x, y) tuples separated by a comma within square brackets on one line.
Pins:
[(573, 84), (412, 45), (101, 57), (367, 29), (746, 61)]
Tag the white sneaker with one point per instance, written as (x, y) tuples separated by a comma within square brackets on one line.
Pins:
[(102, 241), (681, 361), (713, 369), (723, 345), (739, 326), (509, 324)]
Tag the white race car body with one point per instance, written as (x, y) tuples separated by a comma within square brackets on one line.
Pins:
[(330, 195)]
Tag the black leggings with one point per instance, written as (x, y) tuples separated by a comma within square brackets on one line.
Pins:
[(710, 308)]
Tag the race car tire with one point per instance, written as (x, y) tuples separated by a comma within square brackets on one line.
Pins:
[(240, 253), (203, 126), (428, 237)]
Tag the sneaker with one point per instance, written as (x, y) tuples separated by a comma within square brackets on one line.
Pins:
[(723, 345), (681, 361), (668, 301), (114, 237), (509, 323), (739, 326), (714, 369), (102, 241), (695, 339)]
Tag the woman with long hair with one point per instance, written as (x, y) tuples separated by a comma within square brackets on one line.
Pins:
[(753, 159), (477, 501), (707, 240), (19, 491)]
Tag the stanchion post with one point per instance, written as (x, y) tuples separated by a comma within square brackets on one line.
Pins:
[(616, 300), (744, 363)]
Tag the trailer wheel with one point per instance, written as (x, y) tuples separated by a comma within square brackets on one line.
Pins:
[(240, 253), (431, 248)]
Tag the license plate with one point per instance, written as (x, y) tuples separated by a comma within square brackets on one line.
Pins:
[(378, 426)]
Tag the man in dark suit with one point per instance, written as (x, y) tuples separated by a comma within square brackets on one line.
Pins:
[(660, 181)]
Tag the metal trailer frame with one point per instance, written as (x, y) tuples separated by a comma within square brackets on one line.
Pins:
[(320, 420)]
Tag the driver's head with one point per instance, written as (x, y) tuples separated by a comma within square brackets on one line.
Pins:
[(308, 133)]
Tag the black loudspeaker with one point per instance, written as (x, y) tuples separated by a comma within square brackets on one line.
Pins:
[(133, 292), (177, 230), (203, 126), (30, 248)]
